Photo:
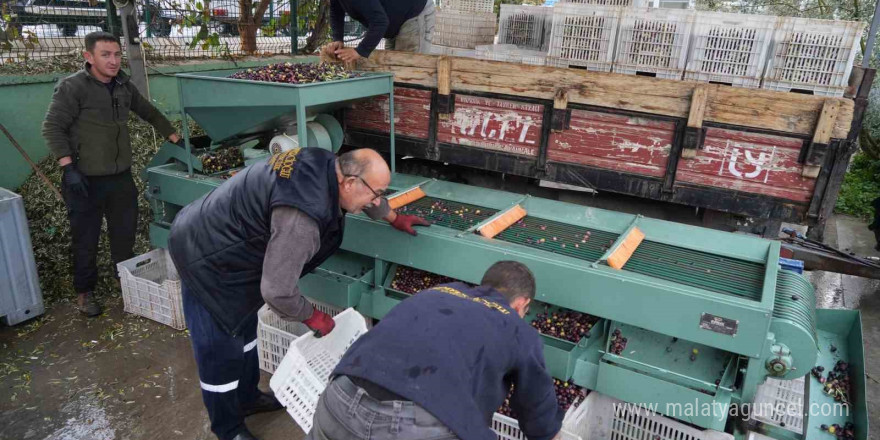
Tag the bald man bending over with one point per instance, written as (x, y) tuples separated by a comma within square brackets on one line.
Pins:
[(249, 241)]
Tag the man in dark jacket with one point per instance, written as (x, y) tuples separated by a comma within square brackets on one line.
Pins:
[(249, 241), (440, 364), (408, 25), (86, 129)]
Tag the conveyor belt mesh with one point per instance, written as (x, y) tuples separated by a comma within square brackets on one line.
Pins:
[(447, 213), (707, 271), (561, 238), (703, 270), (795, 300)]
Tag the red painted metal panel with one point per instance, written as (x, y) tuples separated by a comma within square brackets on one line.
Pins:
[(494, 124), (615, 142), (412, 113), (749, 162)]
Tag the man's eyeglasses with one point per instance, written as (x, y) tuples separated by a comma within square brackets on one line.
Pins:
[(375, 193)]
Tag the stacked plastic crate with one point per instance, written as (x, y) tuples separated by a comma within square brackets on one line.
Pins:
[(511, 54), (654, 42), (813, 56), (730, 48), (464, 24), (583, 36), (522, 26)]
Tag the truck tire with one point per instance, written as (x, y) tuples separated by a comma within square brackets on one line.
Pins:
[(68, 30), (229, 29), (160, 27)]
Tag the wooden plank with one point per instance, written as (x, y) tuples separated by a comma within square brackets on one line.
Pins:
[(827, 119), (752, 163), (493, 124), (560, 101), (412, 113), (693, 138), (444, 85), (698, 106), (760, 109), (628, 144)]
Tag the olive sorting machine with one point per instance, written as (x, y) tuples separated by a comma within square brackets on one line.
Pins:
[(708, 315)]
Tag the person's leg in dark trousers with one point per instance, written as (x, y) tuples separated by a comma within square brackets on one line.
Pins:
[(248, 390), (121, 211), (220, 358), (84, 213)]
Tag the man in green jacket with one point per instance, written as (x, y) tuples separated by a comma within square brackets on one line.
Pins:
[(86, 129)]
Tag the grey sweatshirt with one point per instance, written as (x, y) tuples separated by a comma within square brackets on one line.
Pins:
[(295, 238)]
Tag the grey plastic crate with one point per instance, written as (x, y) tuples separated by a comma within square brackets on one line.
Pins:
[(20, 294)]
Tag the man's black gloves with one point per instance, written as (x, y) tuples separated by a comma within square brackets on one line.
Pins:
[(75, 181)]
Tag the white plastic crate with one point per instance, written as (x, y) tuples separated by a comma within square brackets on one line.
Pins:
[(583, 36), (274, 336), (511, 54), (305, 370), (507, 428), (465, 30), (470, 5), (653, 41), (606, 418), (452, 51), (813, 56), (730, 48), (522, 25), (151, 288), (333, 310), (625, 3), (781, 402)]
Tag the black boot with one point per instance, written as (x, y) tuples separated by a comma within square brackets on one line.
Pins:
[(244, 435), (265, 403), (88, 305)]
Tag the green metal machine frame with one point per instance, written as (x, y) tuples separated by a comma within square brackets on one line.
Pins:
[(666, 307)]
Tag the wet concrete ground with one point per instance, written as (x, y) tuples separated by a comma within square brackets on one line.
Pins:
[(65, 377), (117, 376)]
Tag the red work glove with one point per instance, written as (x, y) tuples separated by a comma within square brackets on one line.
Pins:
[(405, 223), (320, 322)]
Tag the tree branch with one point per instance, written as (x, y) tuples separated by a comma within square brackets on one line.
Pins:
[(262, 7)]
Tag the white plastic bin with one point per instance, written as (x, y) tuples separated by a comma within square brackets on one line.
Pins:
[(781, 402), (607, 418), (813, 56), (20, 294), (305, 370), (465, 30), (583, 36), (151, 288), (653, 41), (522, 25), (730, 48), (470, 5)]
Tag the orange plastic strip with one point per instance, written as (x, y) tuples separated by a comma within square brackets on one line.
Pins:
[(405, 198), (623, 252), (503, 222)]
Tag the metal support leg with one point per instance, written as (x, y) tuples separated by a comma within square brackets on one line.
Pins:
[(391, 124), (302, 137), (184, 127)]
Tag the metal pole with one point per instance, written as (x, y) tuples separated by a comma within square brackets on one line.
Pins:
[(391, 127), (872, 32), (133, 49), (294, 28), (147, 18), (272, 17)]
